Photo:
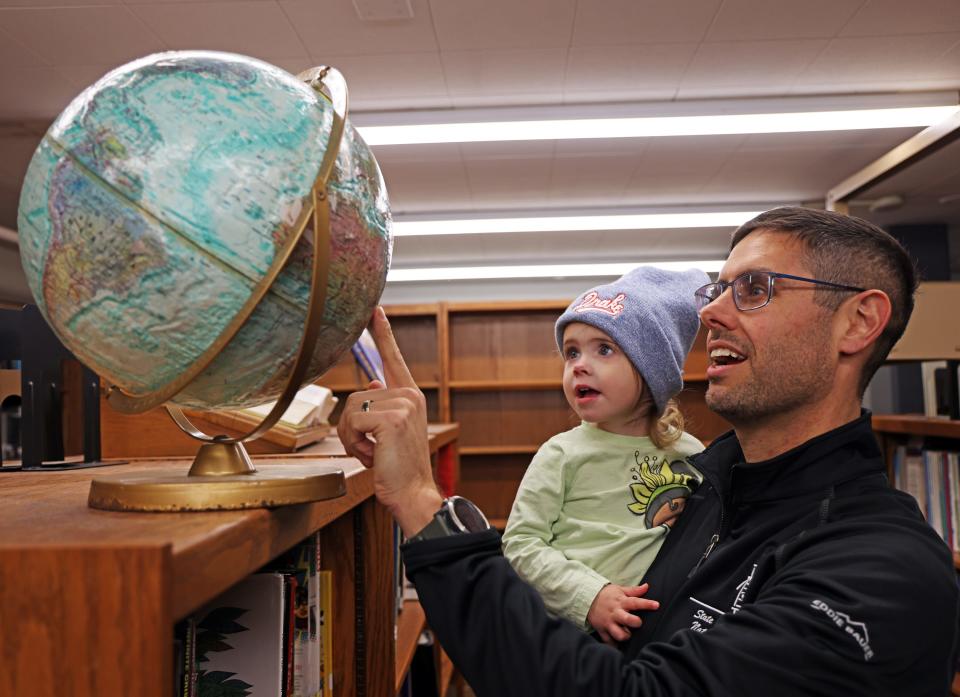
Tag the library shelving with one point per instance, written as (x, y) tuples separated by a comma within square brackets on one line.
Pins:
[(89, 598), (494, 368), (896, 430)]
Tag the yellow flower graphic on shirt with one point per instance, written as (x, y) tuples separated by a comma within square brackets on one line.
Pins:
[(660, 489)]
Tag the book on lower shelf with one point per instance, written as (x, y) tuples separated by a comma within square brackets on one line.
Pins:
[(932, 477), (240, 644), (269, 635)]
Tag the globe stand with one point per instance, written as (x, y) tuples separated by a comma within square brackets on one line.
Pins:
[(222, 475)]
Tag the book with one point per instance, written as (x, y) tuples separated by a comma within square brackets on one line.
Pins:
[(326, 633), (299, 567), (311, 406), (239, 640), (368, 357)]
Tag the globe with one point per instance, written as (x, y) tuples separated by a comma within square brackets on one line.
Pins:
[(157, 201)]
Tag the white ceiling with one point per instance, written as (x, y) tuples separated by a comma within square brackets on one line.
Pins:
[(458, 55)]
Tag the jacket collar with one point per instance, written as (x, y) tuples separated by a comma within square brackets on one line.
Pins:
[(829, 459)]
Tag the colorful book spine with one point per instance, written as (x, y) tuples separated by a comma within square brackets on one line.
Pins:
[(932, 477), (326, 633)]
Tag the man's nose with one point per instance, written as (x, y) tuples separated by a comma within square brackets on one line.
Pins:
[(721, 313)]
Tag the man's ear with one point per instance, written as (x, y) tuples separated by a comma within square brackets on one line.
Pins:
[(864, 317)]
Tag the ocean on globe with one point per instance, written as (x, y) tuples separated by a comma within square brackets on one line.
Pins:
[(158, 199)]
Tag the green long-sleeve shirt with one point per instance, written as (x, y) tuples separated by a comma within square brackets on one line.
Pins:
[(593, 508)]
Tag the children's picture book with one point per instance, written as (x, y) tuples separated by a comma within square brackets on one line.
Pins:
[(240, 642), (368, 357)]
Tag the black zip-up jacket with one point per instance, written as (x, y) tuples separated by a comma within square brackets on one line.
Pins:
[(803, 575)]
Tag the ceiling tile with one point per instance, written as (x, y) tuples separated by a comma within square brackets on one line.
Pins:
[(14, 53), (497, 24), (36, 4), (427, 186), (430, 152), (741, 64), (251, 28), (624, 94), (641, 72), (882, 59), (611, 22), (591, 181), (621, 147), (531, 98), (508, 183), (33, 92), (519, 150), (781, 19), (808, 176), (335, 28), (881, 139), (889, 17), (494, 73), (86, 35), (379, 81)]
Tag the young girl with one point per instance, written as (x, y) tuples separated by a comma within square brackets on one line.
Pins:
[(597, 501)]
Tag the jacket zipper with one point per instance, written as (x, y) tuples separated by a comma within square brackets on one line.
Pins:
[(715, 539)]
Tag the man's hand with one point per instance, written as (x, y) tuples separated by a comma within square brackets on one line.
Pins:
[(611, 611), (395, 418)]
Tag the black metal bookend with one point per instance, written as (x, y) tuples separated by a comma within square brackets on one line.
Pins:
[(26, 337)]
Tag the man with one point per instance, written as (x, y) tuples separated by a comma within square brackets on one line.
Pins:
[(795, 568)]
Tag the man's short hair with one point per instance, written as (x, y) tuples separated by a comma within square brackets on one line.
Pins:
[(850, 251)]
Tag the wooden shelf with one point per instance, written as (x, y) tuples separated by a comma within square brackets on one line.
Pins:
[(694, 377), (424, 310), (915, 424), (353, 387), (69, 572), (516, 306), (208, 551), (500, 385), (410, 623), (498, 449)]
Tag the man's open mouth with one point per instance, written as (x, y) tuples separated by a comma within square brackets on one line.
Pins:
[(724, 356)]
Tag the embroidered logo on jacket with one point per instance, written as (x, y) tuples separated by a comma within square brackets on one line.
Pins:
[(856, 630), (742, 589), (660, 489), (592, 302), (704, 616)]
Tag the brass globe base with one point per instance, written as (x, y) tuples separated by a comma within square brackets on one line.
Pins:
[(222, 478)]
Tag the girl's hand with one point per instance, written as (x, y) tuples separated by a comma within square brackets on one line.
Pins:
[(611, 612)]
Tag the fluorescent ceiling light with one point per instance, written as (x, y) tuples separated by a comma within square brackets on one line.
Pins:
[(463, 273), (566, 223), (656, 126)]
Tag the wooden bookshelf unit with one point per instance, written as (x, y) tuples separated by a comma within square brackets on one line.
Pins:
[(89, 598)]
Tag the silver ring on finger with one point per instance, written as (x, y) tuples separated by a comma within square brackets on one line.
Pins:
[(365, 405)]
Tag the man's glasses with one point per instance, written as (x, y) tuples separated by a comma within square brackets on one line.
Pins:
[(754, 289)]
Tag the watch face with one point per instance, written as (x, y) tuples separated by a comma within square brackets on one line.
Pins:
[(470, 517)]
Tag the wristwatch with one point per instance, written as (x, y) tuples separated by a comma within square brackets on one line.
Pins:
[(456, 516)]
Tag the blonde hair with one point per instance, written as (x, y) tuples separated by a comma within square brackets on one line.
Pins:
[(663, 429), (666, 428)]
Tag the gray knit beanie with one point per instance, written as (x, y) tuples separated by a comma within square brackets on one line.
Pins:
[(651, 315)]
